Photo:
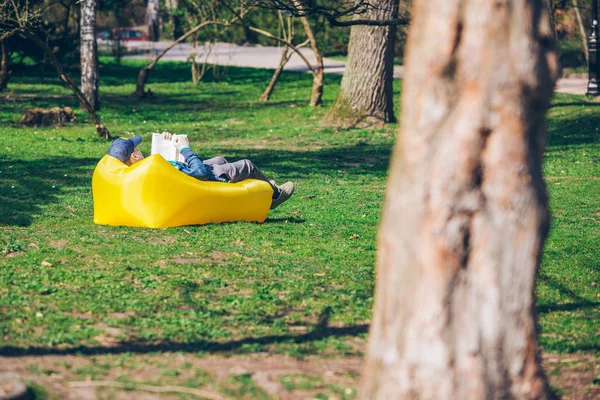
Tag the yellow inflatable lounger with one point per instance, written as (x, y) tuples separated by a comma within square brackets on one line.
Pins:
[(154, 194)]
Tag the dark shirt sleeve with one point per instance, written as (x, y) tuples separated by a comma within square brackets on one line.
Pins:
[(197, 169)]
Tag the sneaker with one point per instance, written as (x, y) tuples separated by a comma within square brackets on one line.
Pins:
[(285, 192), (272, 182)]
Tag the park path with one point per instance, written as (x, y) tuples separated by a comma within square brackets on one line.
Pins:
[(269, 56)]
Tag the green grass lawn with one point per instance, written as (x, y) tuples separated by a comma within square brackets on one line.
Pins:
[(69, 286)]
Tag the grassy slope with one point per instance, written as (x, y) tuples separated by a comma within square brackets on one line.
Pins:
[(242, 287)]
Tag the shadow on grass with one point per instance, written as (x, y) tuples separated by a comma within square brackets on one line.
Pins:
[(165, 108), (290, 220), (574, 131), (246, 345), (577, 302), (27, 186)]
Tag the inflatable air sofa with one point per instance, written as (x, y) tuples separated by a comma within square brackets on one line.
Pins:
[(154, 194)]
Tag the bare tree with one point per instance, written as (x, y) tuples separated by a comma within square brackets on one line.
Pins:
[(100, 128), (288, 37), (366, 89), (581, 28), (336, 12), (145, 71), (465, 214), (285, 57), (316, 96), (89, 53), (152, 21), (199, 68), (19, 18)]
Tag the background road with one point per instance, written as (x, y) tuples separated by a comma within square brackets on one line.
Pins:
[(269, 56)]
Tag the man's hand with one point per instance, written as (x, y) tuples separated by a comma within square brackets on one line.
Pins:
[(180, 141)]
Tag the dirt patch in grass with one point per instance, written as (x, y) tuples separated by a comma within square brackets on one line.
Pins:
[(266, 376), (58, 244), (14, 254), (181, 260)]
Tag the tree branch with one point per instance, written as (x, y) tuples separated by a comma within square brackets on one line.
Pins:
[(368, 22), (100, 128), (333, 13), (290, 45)]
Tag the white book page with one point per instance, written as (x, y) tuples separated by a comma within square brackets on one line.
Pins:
[(165, 148)]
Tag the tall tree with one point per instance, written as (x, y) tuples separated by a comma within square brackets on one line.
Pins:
[(4, 70), (89, 50), (465, 214), (152, 20), (316, 95), (584, 38), (366, 89)]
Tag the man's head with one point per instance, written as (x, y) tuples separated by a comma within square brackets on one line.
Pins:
[(126, 151)]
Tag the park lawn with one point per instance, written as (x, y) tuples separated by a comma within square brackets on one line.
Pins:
[(300, 284)]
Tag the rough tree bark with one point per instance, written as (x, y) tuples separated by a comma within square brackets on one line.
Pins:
[(465, 214), (366, 89), (316, 96), (89, 50)]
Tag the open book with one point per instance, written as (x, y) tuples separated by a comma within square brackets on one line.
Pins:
[(165, 148)]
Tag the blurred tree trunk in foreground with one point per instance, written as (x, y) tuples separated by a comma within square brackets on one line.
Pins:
[(366, 89), (89, 50), (465, 215)]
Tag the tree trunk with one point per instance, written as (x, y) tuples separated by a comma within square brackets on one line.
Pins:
[(100, 128), (465, 215), (581, 28), (366, 89), (548, 5), (65, 31), (4, 71), (152, 20), (89, 50), (285, 57), (316, 97)]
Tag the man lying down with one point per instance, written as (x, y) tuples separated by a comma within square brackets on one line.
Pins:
[(214, 169)]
